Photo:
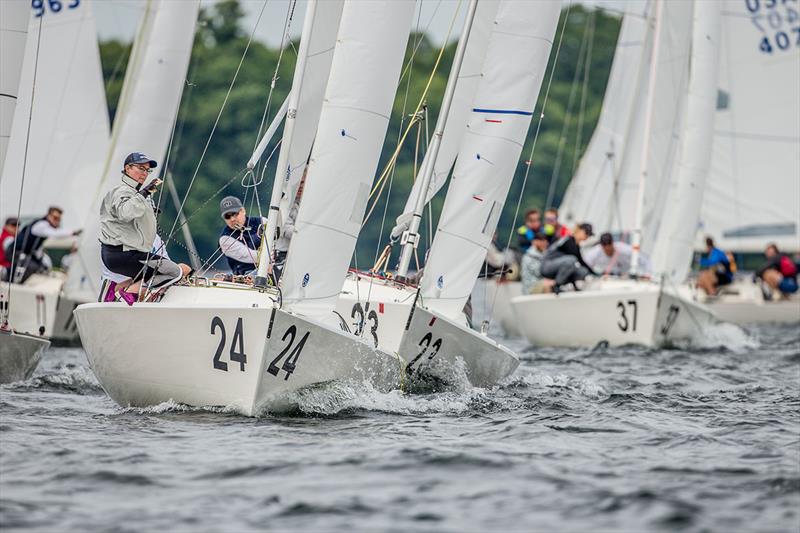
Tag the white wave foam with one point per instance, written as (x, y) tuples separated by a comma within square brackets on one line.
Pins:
[(725, 335), (585, 387)]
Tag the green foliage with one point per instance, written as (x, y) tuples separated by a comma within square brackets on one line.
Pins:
[(219, 46)]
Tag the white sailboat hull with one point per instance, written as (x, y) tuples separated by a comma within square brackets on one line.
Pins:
[(743, 303), (498, 298), (188, 348), (428, 343), (616, 312), (33, 304), (19, 355)]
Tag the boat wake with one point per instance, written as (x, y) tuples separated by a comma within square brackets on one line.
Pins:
[(724, 336)]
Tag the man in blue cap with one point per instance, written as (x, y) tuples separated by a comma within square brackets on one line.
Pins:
[(128, 230)]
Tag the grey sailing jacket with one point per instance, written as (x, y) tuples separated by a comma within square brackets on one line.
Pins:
[(127, 218)]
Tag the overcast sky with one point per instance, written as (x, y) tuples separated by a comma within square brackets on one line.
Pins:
[(119, 18)]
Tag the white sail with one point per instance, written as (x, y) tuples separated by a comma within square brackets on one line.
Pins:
[(599, 166), (672, 255), (69, 131), (753, 193), (148, 106), (610, 197), (460, 110), (512, 75), (14, 17), (352, 126), (316, 69)]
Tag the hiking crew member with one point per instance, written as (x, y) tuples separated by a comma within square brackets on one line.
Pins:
[(128, 230), (563, 262), (532, 280), (613, 258), (526, 232), (7, 235), (28, 244), (717, 270), (779, 272), (239, 240)]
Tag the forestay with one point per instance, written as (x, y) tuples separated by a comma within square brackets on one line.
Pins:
[(358, 101), (69, 131), (512, 74), (14, 18), (148, 106), (672, 255), (460, 109), (753, 193)]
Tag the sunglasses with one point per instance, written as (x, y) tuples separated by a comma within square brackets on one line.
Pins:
[(143, 168), (228, 216)]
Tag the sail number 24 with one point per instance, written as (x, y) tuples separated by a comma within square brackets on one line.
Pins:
[(54, 6)]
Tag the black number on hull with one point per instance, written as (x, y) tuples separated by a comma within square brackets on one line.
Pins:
[(217, 322), (370, 315), (424, 344), (291, 362), (672, 316), (235, 355), (623, 323)]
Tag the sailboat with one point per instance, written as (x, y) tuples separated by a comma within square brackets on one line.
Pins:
[(752, 196), (492, 89), (146, 113), (19, 352), (247, 346), (58, 139), (656, 168)]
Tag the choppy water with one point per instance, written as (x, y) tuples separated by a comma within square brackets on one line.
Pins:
[(628, 439)]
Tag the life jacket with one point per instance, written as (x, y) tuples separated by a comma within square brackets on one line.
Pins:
[(28, 243), (787, 267), (250, 237), (5, 261)]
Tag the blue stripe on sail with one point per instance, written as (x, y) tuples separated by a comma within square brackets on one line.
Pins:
[(502, 111)]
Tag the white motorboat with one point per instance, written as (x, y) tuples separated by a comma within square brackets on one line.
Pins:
[(612, 312), (261, 343), (19, 355)]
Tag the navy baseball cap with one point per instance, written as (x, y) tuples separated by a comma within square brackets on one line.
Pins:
[(138, 158)]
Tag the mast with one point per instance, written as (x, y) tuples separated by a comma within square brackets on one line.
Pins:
[(648, 118), (410, 237), (278, 186)]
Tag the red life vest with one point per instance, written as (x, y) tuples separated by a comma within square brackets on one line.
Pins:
[(4, 234), (787, 267)]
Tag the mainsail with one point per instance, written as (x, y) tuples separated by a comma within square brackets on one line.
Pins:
[(672, 255), (753, 192), (67, 137), (352, 126), (14, 17), (148, 106), (512, 74)]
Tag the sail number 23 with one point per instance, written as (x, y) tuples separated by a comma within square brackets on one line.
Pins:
[(54, 6)]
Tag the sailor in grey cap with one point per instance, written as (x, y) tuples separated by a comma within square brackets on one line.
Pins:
[(240, 239)]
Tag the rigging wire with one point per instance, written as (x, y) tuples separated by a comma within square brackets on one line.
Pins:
[(582, 109), (13, 266), (562, 142), (529, 162)]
